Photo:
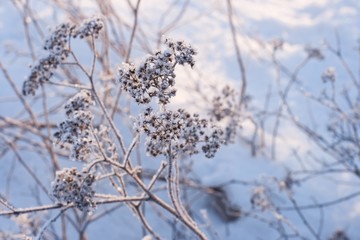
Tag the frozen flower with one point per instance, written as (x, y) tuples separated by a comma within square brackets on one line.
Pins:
[(90, 27), (212, 143), (58, 42), (70, 186), (155, 77), (57, 45), (77, 132), (172, 132), (40, 73), (184, 53), (225, 108), (81, 101), (225, 104), (76, 129)]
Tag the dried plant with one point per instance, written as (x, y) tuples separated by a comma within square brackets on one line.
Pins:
[(172, 134), (99, 132)]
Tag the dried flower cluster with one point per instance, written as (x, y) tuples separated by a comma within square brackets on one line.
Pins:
[(225, 108), (40, 73), (223, 105), (170, 133), (70, 186), (76, 130), (80, 102), (184, 54), (58, 46), (58, 42), (90, 27), (212, 143), (155, 77)]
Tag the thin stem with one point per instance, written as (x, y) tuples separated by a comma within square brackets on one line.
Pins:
[(28, 169), (128, 52), (49, 146), (77, 86), (18, 211), (52, 220), (168, 208), (238, 53), (146, 224), (133, 31), (131, 147), (18, 94)]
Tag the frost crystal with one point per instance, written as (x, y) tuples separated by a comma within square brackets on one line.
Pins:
[(70, 186)]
